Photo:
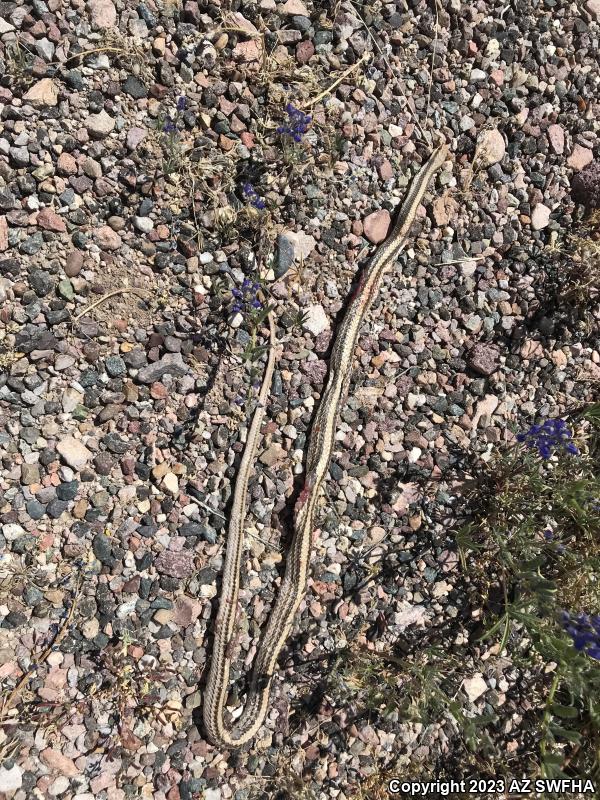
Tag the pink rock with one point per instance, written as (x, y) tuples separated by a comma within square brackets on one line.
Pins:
[(304, 52), (43, 93), (376, 226), (107, 238), (56, 761), (177, 565), (497, 77), (50, 221), (3, 234), (385, 170), (556, 137), (103, 14), (66, 164), (186, 611), (134, 137), (295, 8), (74, 263), (580, 157), (247, 51), (593, 6)]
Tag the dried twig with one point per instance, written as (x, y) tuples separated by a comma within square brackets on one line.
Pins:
[(104, 297)]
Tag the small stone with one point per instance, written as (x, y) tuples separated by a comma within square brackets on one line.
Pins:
[(115, 366), (304, 51), (478, 75), (99, 125), (65, 289), (171, 484), (67, 490), (35, 509), (66, 164), (30, 473), (107, 238), (143, 224), (294, 8), (103, 14), (483, 359), (285, 254), (102, 548), (43, 93), (475, 687), (169, 364), (593, 6), (580, 157), (74, 263), (50, 221), (376, 225), (490, 148), (11, 779), (73, 452), (556, 137), (135, 88), (316, 320), (273, 454), (540, 217), (177, 565), (58, 762), (134, 137)]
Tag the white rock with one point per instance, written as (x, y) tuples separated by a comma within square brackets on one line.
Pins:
[(11, 779), (475, 687), (490, 148), (143, 224), (99, 125), (316, 320), (73, 452), (170, 483), (540, 217)]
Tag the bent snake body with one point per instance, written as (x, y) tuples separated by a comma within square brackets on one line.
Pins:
[(321, 442)]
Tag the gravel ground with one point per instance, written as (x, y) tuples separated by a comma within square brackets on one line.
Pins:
[(122, 423)]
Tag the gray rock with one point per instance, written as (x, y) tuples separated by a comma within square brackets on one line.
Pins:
[(285, 255), (169, 364), (115, 366), (135, 88)]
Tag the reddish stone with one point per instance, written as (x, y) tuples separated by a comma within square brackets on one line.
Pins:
[(50, 221)]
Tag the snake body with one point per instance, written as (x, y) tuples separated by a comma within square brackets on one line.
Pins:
[(321, 442)]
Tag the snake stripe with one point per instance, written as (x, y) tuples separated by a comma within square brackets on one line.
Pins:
[(320, 447)]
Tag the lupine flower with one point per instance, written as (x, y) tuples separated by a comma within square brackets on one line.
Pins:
[(247, 297), (551, 435), (585, 632), (169, 126), (253, 197), (297, 125), (181, 103)]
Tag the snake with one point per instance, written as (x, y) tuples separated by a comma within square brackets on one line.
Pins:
[(248, 720)]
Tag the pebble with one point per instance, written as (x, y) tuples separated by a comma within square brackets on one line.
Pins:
[(540, 217), (490, 148), (376, 226), (73, 452), (100, 125), (316, 320)]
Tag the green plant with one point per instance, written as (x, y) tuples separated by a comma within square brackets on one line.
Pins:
[(535, 526)]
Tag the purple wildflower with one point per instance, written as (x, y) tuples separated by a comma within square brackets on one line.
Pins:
[(169, 126), (297, 125), (181, 103), (585, 632), (551, 435), (253, 197)]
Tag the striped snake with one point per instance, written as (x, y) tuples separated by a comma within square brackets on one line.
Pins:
[(321, 442)]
